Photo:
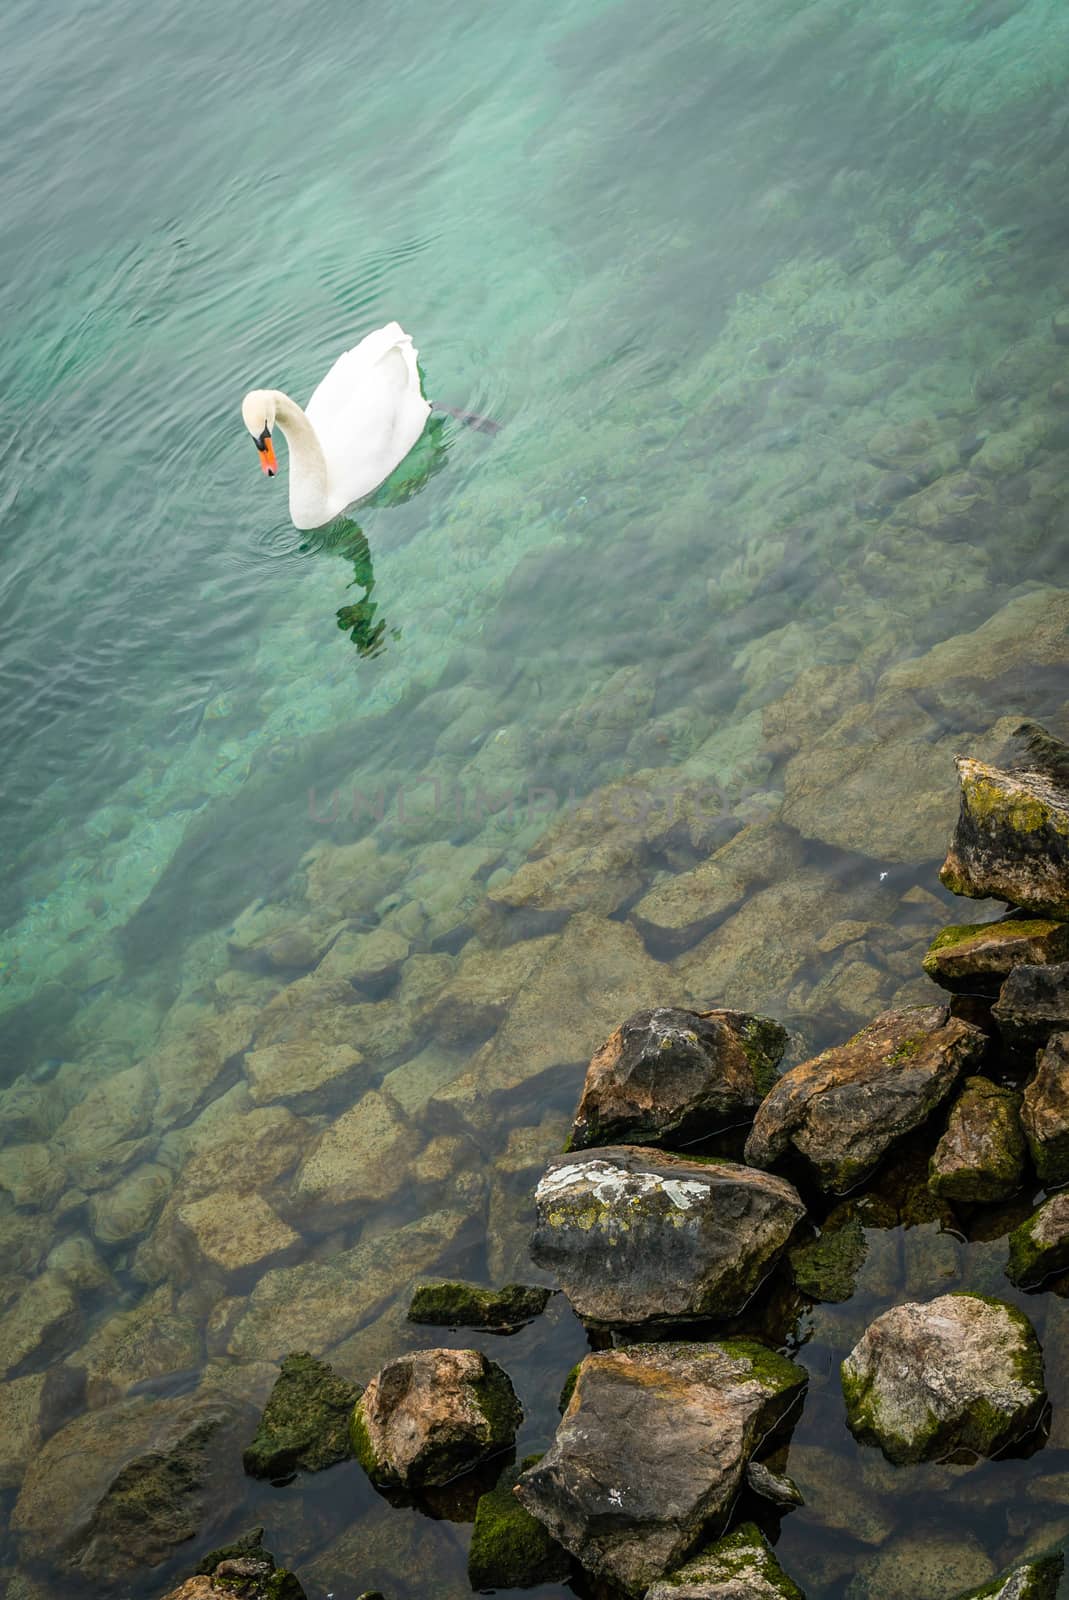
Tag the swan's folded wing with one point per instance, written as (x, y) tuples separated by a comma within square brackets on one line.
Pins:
[(368, 413), (353, 368)]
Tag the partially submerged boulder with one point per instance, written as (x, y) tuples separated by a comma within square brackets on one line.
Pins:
[(1039, 1247), (971, 957), (650, 1453), (1034, 1580), (243, 1568), (980, 1157), (738, 1567), (430, 1416), (962, 1373), (509, 1548), (305, 1423), (843, 1110), (448, 1304), (1012, 838), (1045, 1112), (639, 1236), (670, 1074), (1032, 1005)]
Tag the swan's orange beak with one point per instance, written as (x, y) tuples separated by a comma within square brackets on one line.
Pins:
[(268, 459)]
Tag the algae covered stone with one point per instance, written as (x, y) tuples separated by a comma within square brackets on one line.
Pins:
[(670, 1074), (1045, 1112), (244, 1568), (931, 1563), (1039, 1247), (1033, 1580), (639, 1236), (826, 1268), (980, 956), (962, 1373), (305, 1424), (651, 1451), (510, 1549), (448, 1304), (1012, 838), (738, 1567), (980, 1157), (430, 1416), (843, 1110)]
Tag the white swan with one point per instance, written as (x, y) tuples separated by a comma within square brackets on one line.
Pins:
[(360, 423)]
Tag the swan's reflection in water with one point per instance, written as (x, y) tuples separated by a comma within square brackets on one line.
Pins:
[(344, 537)]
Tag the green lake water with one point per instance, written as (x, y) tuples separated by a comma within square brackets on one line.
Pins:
[(771, 301)]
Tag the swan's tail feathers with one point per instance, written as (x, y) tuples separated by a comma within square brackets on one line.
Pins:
[(470, 419)]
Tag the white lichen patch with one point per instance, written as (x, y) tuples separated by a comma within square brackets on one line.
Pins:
[(610, 1185)]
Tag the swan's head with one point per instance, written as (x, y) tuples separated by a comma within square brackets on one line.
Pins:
[(258, 414)]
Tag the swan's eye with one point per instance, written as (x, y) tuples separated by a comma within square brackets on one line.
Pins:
[(262, 442)]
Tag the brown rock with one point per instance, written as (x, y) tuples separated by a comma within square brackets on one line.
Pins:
[(685, 908), (43, 1318), (368, 960), (1045, 1112), (361, 1159), (980, 1158), (20, 1432), (1012, 839), (972, 957), (304, 1072), (235, 1230), (124, 1212), (33, 1175), (844, 1110), (475, 999), (130, 1346)]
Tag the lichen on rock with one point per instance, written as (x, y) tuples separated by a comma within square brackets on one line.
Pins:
[(305, 1423), (980, 1158), (446, 1303)]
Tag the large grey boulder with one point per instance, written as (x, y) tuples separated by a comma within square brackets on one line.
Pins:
[(962, 1373), (843, 1110), (668, 1075), (738, 1567), (651, 1451), (640, 1236)]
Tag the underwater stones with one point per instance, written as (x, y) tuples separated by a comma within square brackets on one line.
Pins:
[(475, 998), (932, 1562), (651, 1451), (304, 1072), (118, 1490), (680, 910), (1032, 1005), (968, 957), (102, 1135), (826, 1268), (431, 1415), (1012, 839), (348, 880), (738, 1567), (960, 1373), (843, 1110), (128, 1209), (598, 878), (317, 1304), (1039, 1246), (590, 975), (189, 1064), (32, 1175), (641, 1236), (980, 1158), (369, 961), (837, 1496), (44, 1317), (311, 1008), (670, 1073), (447, 1304), (305, 1423), (1033, 1580), (135, 1345), (509, 1548), (1020, 369), (1045, 1112), (362, 1157), (20, 1431), (234, 1230)]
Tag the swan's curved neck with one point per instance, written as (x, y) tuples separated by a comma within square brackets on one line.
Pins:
[(308, 465)]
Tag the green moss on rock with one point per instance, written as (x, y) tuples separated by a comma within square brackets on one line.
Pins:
[(450, 1304), (510, 1549), (305, 1423), (1034, 1580), (827, 1268), (741, 1563), (361, 1444)]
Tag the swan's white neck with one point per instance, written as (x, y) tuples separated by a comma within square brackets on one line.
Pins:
[(309, 481)]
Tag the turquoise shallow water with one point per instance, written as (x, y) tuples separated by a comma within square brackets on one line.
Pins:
[(766, 299)]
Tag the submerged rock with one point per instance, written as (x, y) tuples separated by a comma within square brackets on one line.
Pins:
[(738, 1567), (928, 1562), (235, 1231), (980, 1157), (246, 1569), (446, 1304), (826, 1268), (1032, 1005), (682, 909), (1012, 838), (980, 956), (305, 1424), (1039, 1247), (960, 1373), (640, 1236), (430, 1416), (669, 1073), (1034, 1580), (1045, 1112), (651, 1451), (775, 1487), (844, 1110), (510, 1549)]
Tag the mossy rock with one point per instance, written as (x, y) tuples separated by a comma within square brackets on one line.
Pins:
[(305, 1424), (826, 1268), (740, 1564), (248, 1571), (1039, 1247), (451, 1304), (1033, 1580), (510, 1549)]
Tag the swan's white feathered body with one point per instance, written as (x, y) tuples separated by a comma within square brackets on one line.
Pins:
[(360, 423)]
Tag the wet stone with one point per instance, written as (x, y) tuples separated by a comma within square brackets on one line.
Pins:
[(843, 1110), (980, 1158), (1045, 1112), (1012, 838), (669, 1075), (447, 1304), (1034, 1580), (639, 1236), (775, 1487), (738, 1567), (305, 1072), (235, 1231), (651, 1451), (962, 1373), (933, 1563), (971, 957), (510, 1549), (1039, 1247), (305, 1424), (430, 1416), (1032, 1005)]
